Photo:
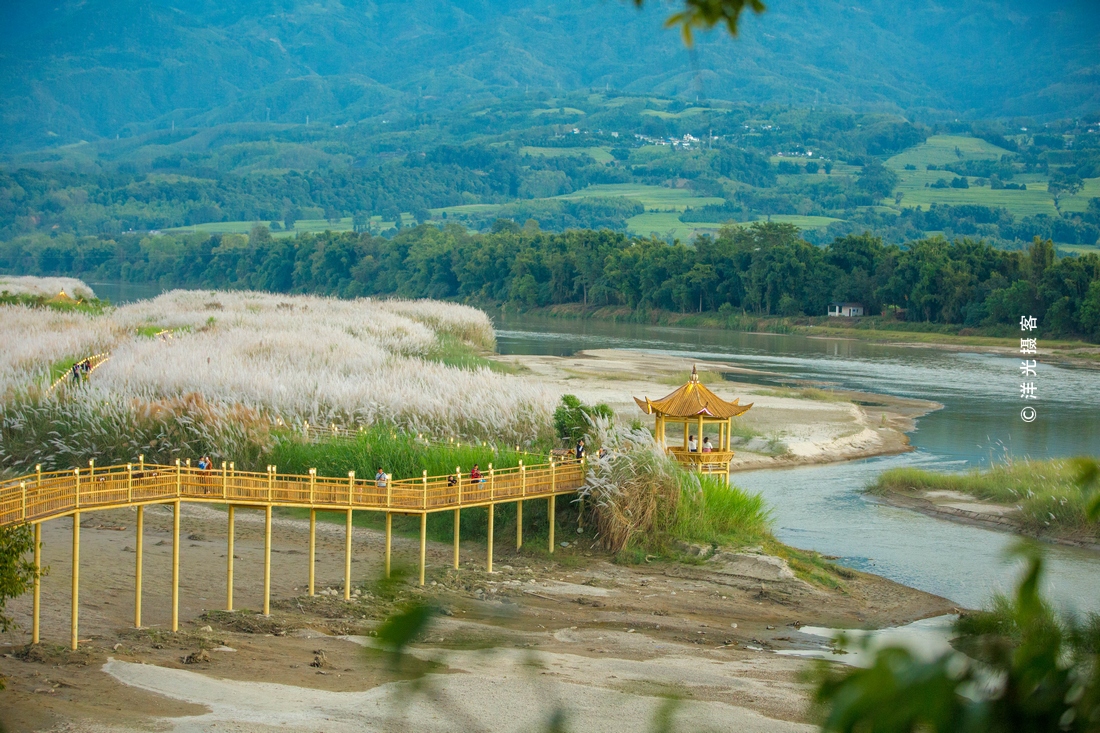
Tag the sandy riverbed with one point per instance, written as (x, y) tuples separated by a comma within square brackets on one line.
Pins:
[(599, 640)]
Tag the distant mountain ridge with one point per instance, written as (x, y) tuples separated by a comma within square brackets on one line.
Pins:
[(88, 69)]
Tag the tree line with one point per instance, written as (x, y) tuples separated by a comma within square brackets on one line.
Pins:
[(765, 269)]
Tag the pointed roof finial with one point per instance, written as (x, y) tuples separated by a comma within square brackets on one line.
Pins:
[(694, 375)]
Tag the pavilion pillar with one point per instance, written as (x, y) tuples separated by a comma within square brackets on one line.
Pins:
[(685, 435)]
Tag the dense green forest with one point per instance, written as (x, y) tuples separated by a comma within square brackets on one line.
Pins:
[(763, 269)]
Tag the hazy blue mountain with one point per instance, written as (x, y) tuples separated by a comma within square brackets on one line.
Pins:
[(80, 69)]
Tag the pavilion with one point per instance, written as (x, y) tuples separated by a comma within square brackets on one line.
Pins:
[(696, 408)]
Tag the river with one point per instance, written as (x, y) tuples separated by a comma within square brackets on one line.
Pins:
[(823, 508)]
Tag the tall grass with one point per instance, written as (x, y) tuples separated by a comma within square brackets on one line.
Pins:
[(34, 339), (46, 286), (403, 455), (240, 363), (1047, 494), (720, 514), (642, 499)]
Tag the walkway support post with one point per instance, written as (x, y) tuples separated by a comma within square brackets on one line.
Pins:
[(423, 543), (229, 562), (489, 563), (389, 541), (312, 546), (176, 563), (458, 525), (139, 544), (347, 558), (519, 524), (551, 511), (37, 601), (267, 560), (76, 581)]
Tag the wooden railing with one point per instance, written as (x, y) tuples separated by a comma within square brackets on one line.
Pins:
[(44, 495), (703, 461)]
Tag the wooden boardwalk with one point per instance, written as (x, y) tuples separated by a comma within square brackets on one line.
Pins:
[(44, 496)]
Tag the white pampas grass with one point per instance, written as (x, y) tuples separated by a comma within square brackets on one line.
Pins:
[(270, 357), (47, 286)]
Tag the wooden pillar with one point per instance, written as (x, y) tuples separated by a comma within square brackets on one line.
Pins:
[(458, 533), (347, 557), (229, 563), (175, 566), (389, 541), (519, 524), (36, 607), (423, 543), (685, 434), (267, 560), (699, 437), (550, 512), (312, 546), (139, 542), (489, 562), (76, 581)]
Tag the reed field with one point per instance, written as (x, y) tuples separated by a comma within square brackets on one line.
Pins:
[(195, 372), (46, 286)]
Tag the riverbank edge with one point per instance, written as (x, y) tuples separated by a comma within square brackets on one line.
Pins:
[(1088, 356), (907, 500)]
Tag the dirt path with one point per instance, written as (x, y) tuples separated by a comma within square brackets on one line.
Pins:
[(600, 640)]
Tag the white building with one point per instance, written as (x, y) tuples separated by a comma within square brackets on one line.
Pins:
[(846, 310)]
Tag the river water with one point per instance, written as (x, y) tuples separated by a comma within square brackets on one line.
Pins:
[(823, 508)]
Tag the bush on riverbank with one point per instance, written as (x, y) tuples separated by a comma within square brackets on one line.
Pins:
[(642, 501), (1048, 493)]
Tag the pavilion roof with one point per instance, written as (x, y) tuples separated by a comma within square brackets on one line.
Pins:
[(693, 400)]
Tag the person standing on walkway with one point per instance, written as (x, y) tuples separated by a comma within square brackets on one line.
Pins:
[(579, 452)]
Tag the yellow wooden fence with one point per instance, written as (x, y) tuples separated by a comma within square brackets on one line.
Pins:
[(43, 496)]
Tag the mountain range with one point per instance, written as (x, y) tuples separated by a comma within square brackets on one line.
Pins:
[(76, 70)]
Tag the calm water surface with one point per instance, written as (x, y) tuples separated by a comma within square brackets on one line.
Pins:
[(823, 508)]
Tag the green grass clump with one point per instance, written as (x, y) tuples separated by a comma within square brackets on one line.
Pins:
[(806, 393), (720, 514), (403, 455), (1048, 495), (454, 352), (92, 307)]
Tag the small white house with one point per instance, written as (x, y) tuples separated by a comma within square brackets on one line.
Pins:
[(846, 310)]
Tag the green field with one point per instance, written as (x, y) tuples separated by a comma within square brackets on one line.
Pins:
[(600, 155), (1035, 200), (667, 223), (689, 112), (557, 111), (940, 149), (303, 225), (651, 197), (1080, 201), (803, 222)]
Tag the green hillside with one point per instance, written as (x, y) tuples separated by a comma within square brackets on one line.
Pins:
[(106, 69)]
